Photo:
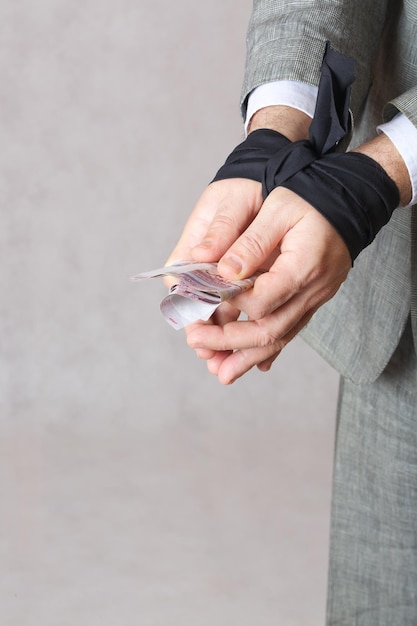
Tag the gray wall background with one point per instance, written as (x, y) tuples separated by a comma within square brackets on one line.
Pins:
[(135, 489)]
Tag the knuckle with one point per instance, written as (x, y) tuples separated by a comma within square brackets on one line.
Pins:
[(298, 280), (318, 272), (268, 339), (260, 310), (304, 274), (257, 309), (224, 221), (252, 244), (298, 283)]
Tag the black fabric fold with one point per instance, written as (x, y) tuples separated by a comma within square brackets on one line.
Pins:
[(285, 163), (331, 121), (249, 158)]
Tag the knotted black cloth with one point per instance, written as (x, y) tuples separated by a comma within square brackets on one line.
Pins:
[(249, 158), (351, 190)]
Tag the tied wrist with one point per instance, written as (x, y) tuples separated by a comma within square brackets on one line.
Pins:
[(352, 191)]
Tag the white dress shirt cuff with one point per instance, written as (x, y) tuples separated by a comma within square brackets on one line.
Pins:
[(403, 135), (290, 93)]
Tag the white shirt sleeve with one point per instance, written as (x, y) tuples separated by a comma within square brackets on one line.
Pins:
[(403, 135), (302, 96), (290, 93)]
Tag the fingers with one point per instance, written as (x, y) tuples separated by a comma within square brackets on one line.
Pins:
[(237, 363), (266, 333), (240, 362), (225, 314)]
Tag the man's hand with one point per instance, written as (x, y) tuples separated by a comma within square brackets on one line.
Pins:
[(307, 261), (222, 213)]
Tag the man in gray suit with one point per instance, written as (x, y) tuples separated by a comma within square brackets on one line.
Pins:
[(361, 319)]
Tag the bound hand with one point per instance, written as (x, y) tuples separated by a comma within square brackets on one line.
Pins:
[(306, 262)]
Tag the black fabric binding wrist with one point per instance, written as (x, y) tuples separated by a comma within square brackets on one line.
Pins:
[(249, 158), (351, 190)]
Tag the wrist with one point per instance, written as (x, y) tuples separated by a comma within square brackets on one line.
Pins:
[(292, 123), (382, 150)]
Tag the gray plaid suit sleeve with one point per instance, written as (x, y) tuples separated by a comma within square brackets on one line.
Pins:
[(286, 40)]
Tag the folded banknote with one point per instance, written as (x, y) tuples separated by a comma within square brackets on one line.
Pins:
[(197, 293)]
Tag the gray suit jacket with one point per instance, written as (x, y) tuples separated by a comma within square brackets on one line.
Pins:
[(358, 330)]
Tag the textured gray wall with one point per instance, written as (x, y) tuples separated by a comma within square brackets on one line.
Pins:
[(135, 488)]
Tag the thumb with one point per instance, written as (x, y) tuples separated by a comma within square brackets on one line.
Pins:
[(237, 202), (255, 247)]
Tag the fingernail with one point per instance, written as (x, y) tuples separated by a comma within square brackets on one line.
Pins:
[(233, 262)]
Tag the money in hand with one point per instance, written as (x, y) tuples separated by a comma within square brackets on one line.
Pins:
[(198, 292)]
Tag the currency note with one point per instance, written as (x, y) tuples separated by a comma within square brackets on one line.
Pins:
[(197, 294)]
